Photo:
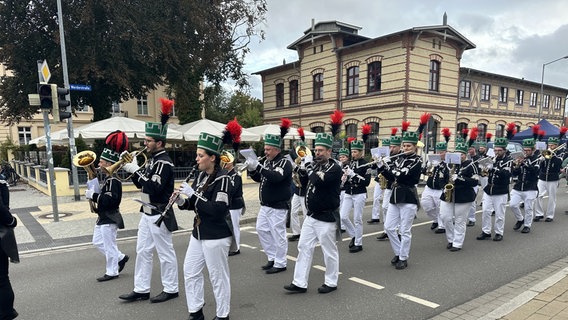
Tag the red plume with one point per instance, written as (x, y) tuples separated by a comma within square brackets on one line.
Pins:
[(405, 125), (232, 133), (423, 121), (117, 141), (167, 106), (535, 130), (351, 139), (541, 134), (446, 133), (336, 121), (301, 134), (284, 126), (394, 131), (511, 130), (562, 132), (464, 133), (473, 133), (365, 131), (488, 136)]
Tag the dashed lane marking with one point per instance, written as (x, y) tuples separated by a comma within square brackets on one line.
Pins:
[(247, 246), (322, 268), (367, 283), (418, 300)]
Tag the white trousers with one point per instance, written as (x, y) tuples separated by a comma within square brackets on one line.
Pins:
[(473, 208), (297, 204), (355, 228), (386, 200), (151, 236), (341, 196), (235, 220), (313, 231), (430, 202), (546, 188), (493, 203), (377, 211), (400, 216), (213, 254), (526, 197), (104, 239), (454, 216), (271, 229)]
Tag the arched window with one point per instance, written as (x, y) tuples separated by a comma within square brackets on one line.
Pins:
[(434, 84), (353, 81), (318, 86), (432, 131), (280, 95), (499, 131), (373, 139), (482, 131), (351, 130), (293, 92), (374, 76)]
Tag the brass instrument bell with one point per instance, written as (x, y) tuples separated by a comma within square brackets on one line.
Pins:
[(86, 160), (110, 170)]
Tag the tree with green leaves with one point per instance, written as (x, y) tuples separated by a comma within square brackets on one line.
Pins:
[(124, 49)]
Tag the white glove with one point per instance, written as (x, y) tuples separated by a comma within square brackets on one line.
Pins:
[(180, 201), (186, 189), (89, 194), (307, 159), (489, 166), (435, 163), (386, 160), (251, 164), (131, 167), (454, 177), (380, 163), (349, 172)]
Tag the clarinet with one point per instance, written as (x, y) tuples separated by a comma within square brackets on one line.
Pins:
[(174, 197)]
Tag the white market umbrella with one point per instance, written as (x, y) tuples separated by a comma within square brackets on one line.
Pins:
[(192, 130), (275, 129)]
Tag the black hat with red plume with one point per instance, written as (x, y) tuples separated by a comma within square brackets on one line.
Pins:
[(535, 129), (336, 122), (365, 132), (446, 133), (232, 134), (562, 132), (511, 129), (424, 118), (473, 133), (159, 130), (117, 141)]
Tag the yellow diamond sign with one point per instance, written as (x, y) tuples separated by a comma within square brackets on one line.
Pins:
[(45, 71)]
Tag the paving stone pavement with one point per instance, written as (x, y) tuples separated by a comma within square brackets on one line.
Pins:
[(542, 294)]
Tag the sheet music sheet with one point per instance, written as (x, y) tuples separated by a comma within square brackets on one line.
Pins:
[(540, 145), (434, 159), (249, 154), (490, 153), (453, 158)]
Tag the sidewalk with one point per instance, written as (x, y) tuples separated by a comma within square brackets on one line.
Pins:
[(542, 294)]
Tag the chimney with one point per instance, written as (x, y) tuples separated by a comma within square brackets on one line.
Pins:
[(445, 19)]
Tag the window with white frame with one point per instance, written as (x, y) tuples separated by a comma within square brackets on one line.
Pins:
[(142, 105), (534, 97), (434, 83), (557, 103), (353, 81), (503, 94), (485, 92), (465, 89), (24, 135), (519, 97), (546, 101)]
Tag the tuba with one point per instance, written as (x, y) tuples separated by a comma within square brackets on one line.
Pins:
[(123, 160), (86, 160)]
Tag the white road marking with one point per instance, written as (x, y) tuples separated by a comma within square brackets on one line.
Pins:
[(247, 246), (367, 283), (291, 258), (418, 300), (322, 268)]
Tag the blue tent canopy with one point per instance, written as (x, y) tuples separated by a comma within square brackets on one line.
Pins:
[(550, 129)]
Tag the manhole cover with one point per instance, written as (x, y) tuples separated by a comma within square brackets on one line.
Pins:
[(60, 215)]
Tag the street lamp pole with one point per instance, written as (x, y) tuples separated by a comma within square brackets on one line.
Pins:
[(542, 87)]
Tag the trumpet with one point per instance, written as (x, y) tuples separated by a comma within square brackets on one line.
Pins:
[(86, 160), (124, 160), (174, 197), (548, 154)]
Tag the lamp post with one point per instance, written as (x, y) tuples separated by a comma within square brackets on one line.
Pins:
[(542, 87)]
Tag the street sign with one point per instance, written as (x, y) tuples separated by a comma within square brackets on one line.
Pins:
[(44, 72), (80, 87)]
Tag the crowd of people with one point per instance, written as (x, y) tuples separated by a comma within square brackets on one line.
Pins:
[(311, 191)]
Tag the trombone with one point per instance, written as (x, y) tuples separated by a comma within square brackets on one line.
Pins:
[(548, 154), (86, 160), (124, 160)]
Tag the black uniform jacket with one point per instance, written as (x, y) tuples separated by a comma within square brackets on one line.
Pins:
[(499, 176), (211, 205), (360, 181), (7, 224), (527, 174), (468, 178), (157, 180), (439, 177), (322, 197), (275, 179), (300, 182), (405, 172), (550, 169), (108, 202), (236, 200)]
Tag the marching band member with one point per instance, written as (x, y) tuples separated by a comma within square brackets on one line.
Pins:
[(210, 239), (404, 199), (8, 253), (548, 180), (343, 158), (109, 218), (380, 186), (321, 223), (297, 203), (157, 183), (496, 191), (525, 189), (237, 202), (275, 177), (357, 178), (454, 211), (474, 157), (438, 176), (394, 149)]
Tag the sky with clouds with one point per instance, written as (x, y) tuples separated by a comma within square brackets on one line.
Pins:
[(513, 38)]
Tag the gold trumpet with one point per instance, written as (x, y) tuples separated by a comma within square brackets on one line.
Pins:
[(548, 154), (110, 170), (86, 160)]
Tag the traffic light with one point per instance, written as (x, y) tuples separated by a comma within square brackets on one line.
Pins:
[(58, 95), (45, 95)]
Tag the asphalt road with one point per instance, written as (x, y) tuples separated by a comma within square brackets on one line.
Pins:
[(60, 284)]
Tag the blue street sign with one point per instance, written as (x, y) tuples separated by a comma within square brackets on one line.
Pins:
[(80, 87)]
